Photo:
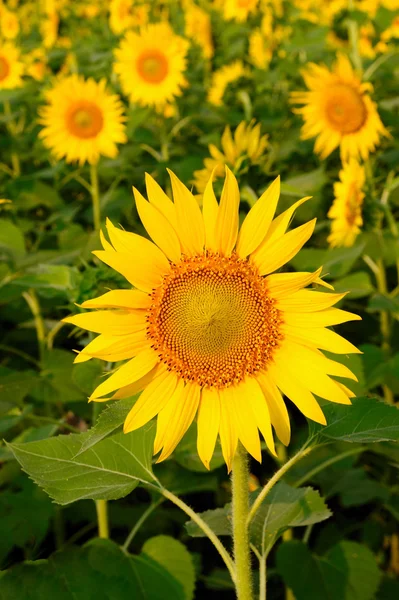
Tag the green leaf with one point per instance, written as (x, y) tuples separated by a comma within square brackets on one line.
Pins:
[(110, 471), (175, 558), (337, 262), (15, 385), (358, 285), (56, 384), (380, 302), (109, 421), (98, 570), (348, 571), (12, 241), (180, 481), (49, 277), (366, 420), (286, 507)]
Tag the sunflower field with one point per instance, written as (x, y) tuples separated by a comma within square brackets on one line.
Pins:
[(199, 299)]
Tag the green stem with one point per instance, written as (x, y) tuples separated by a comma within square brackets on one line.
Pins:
[(34, 306), (102, 518), (95, 195), (205, 528), (16, 166), (139, 523), (276, 477), (240, 509), (353, 32), (59, 529)]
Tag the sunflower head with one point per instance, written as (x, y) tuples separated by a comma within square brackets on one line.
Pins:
[(339, 111), (151, 63), (82, 120), (222, 77), (346, 211), (208, 331), (11, 68), (239, 10), (239, 151), (198, 28)]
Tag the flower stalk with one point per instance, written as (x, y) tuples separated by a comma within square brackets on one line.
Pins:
[(95, 195), (242, 553), (102, 518)]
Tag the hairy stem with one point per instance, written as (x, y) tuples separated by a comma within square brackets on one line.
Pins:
[(102, 518), (242, 554), (95, 195)]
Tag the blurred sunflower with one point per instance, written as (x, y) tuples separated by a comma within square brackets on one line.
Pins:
[(82, 120), (246, 146), (150, 64), (238, 10), (11, 68), (222, 77), (209, 330), (9, 23), (339, 111), (198, 28), (346, 210), (124, 14)]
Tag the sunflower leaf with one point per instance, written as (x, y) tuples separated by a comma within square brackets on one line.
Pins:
[(110, 471), (348, 571), (366, 420), (109, 421)]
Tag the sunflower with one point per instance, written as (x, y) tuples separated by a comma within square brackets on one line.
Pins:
[(339, 111), (9, 24), (150, 64), (246, 146), (198, 27), (124, 15), (11, 69), (346, 210), (208, 329), (222, 77), (82, 120), (239, 10)]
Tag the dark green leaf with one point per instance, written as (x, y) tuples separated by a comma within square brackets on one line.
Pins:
[(348, 571), (111, 470)]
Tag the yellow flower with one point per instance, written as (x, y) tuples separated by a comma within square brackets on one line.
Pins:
[(339, 111), (239, 10), (346, 210), (150, 64), (246, 145), (49, 29), (208, 329), (11, 68), (125, 15), (264, 40), (9, 24), (36, 64), (199, 29), (82, 120), (319, 11), (222, 77)]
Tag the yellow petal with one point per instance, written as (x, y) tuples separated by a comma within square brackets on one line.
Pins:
[(166, 416), (226, 230), (158, 228), (281, 285), (128, 373), (120, 299), (228, 433), (105, 244), (138, 386), (153, 399), (160, 200), (320, 318), (109, 322), (297, 393), (272, 256), (345, 389), (182, 420), (277, 408), (308, 301), (210, 209), (312, 356), (257, 222), (243, 419), (280, 224), (143, 270), (208, 424), (322, 338), (190, 224), (256, 399)]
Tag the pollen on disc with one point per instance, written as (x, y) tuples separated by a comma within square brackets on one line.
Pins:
[(212, 321)]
